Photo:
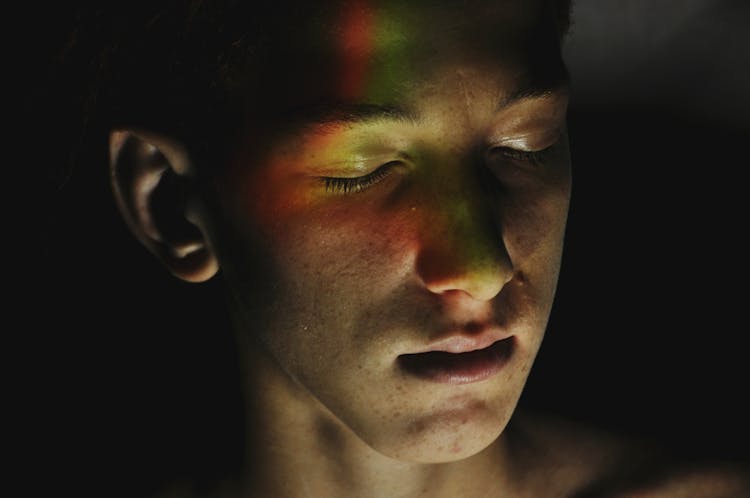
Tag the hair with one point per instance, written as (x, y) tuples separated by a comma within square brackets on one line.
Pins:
[(173, 67)]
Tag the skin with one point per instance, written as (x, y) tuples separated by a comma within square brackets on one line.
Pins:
[(462, 233), (457, 238)]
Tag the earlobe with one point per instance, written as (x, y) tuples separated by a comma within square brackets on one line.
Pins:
[(153, 184)]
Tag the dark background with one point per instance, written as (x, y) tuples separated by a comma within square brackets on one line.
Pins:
[(649, 330), (130, 374)]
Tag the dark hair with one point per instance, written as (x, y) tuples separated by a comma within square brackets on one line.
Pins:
[(174, 67)]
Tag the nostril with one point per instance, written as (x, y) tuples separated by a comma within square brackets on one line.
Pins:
[(473, 327), (482, 279)]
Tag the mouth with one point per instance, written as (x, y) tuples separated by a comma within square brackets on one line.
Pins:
[(459, 368)]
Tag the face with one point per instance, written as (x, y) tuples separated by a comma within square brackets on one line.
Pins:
[(392, 235)]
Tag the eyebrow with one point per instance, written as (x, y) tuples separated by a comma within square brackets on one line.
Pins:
[(330, 114), (529, 92)]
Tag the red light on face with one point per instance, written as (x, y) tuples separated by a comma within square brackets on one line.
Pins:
[(355, 47)]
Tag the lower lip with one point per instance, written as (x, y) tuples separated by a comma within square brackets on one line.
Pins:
[(458, 368)]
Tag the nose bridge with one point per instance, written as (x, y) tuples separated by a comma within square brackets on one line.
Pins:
[(461, 240)]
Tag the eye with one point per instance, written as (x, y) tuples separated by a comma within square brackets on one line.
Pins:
[(530, 157), (353, 185)]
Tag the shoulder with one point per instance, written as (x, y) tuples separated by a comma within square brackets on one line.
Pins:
[(564, 459), (703, 480)]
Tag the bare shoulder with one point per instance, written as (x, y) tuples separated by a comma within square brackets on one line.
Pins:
[(563, 459), (707, 480)]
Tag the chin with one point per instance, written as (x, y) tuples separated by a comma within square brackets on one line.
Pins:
[(444, 437)]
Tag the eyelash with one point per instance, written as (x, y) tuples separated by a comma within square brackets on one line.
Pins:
[(533, 157), (354, 185), (339, 185)]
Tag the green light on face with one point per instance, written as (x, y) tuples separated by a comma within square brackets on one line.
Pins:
[(374, 50), (393, 47)]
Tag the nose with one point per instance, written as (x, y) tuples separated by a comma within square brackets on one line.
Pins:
[(462, 247)]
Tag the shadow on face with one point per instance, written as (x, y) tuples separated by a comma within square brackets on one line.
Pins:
[(409, 189)]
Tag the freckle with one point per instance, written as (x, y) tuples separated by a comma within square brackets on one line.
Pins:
[(456, 448), (416, 428)]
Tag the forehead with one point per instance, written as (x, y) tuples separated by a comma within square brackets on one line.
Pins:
[(389, 52)]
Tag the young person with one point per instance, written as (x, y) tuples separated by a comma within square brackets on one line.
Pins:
[(382, 188)]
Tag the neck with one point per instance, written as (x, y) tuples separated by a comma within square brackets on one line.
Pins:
[(297, 448)]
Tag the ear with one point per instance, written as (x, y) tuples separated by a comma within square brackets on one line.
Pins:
[(153, 183)]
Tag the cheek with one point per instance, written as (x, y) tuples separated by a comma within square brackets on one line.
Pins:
[(309, 231), (330, 264), (533, 223), (332, 248)]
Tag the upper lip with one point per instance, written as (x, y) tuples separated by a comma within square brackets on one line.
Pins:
[(461, 342)]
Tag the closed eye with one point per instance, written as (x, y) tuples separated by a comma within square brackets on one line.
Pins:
[(533, 157), (353, 185)]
